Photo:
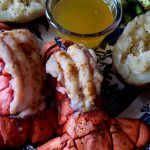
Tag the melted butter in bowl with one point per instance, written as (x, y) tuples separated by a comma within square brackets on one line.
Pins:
[(86, 21), (83, 16)]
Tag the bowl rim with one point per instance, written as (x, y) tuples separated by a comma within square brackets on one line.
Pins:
[(110, 28)]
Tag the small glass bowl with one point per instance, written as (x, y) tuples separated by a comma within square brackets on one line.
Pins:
[(89, 40)]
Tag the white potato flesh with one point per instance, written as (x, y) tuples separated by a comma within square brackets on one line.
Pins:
[(131, 55)]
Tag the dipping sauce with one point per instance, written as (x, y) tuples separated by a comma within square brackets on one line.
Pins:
[(84, 21), (83, 16)]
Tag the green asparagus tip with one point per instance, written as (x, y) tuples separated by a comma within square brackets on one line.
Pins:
[(124, 3), (138, 9), (127, 17), (145, 4)]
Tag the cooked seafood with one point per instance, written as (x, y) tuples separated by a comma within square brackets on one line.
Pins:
[(131, 55), (15, 132), (74, 69), (90, 128), (21, 11), (21, 81), (3, 26), (21, 74), (82, 125)]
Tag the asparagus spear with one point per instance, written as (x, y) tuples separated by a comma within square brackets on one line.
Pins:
[(138, 9), (124, 3), (145, 4), (127, 17)]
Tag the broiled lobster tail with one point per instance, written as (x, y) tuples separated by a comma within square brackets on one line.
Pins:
[(89, 128), (16, 132), (22, 77), (22, 81)]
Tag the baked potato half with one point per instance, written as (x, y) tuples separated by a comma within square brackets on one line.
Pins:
[(21, 11), (131, 54)]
